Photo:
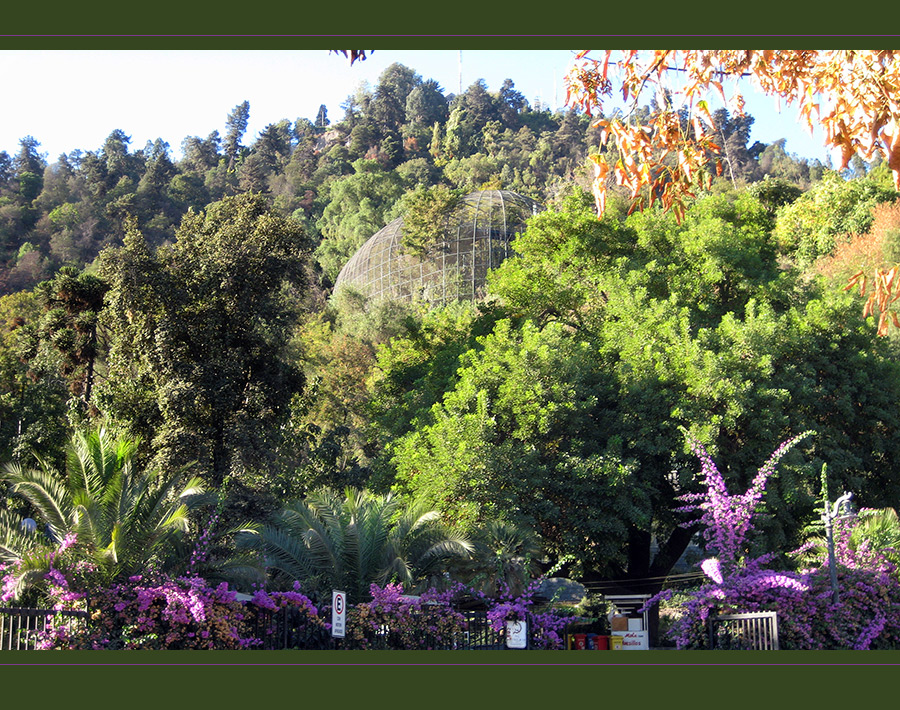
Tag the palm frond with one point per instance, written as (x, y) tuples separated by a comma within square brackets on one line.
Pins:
[(45, 491), (16, 541), (288, 554), (123, 516), (352, 540), (240, 570)]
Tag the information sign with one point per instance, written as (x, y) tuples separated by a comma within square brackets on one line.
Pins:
[(338, 613)]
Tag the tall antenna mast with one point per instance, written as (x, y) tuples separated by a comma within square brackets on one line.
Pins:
[(460, 70)]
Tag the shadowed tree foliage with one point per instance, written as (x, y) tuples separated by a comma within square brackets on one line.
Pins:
[(32, 402), (199, 330), (69, 328)]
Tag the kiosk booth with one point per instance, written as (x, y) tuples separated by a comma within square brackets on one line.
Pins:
[(629, 626)]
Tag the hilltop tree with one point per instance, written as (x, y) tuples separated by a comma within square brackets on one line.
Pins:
[(200, 155), (322, 117), (388, 107), (28, 159), (235, 127), (426, 104)]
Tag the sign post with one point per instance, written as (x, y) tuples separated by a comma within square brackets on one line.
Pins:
[(338, 614)]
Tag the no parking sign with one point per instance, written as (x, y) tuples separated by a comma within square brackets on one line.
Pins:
[(338, 613)]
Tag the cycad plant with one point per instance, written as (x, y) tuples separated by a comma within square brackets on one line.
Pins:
[(349, 541), (103, 508), (879, 530)]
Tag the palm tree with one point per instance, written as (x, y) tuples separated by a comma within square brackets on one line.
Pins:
[(505, 556), (350, 541), (119, 516), (876, 529)]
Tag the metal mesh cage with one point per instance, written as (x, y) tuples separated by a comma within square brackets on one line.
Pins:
[(477, 236)]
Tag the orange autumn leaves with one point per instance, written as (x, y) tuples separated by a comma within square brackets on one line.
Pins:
[(884, 293), (854, 95)]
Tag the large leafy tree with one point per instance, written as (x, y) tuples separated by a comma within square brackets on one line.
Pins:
[(117, 514), (626, 335), (199, 332), (518, 439)]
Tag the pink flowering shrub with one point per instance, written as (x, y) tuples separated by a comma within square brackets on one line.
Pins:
[(165, 613), (162, 612), (726, 518), (544, 624), (867, 616), (430, 621), (397, 621)]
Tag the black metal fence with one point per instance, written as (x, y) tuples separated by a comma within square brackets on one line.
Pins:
[(475, 633), (21, 629), (286, 628), (289, 628)]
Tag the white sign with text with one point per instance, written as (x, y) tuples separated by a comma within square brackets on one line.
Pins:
[(338, 613)]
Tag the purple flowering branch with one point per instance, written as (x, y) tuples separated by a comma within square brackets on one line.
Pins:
[(726, 517), (867, 615)]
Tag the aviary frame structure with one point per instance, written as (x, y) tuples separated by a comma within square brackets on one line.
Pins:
[(477, 235)]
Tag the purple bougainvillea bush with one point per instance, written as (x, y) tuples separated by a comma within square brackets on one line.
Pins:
[(545, 623), (159, 612), (866, 617), (172, 614), (395, 620), (430, 621), (163, 614), (153, 611)]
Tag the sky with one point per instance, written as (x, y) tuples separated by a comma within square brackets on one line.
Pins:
[(68, 99)]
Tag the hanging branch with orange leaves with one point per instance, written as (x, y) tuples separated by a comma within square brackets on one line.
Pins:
[(885, 291), (854, 95)]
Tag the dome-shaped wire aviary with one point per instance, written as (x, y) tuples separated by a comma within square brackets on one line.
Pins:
[(476, 238)]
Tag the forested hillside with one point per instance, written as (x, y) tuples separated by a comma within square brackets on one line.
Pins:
[(340, 179), (188, 304)]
